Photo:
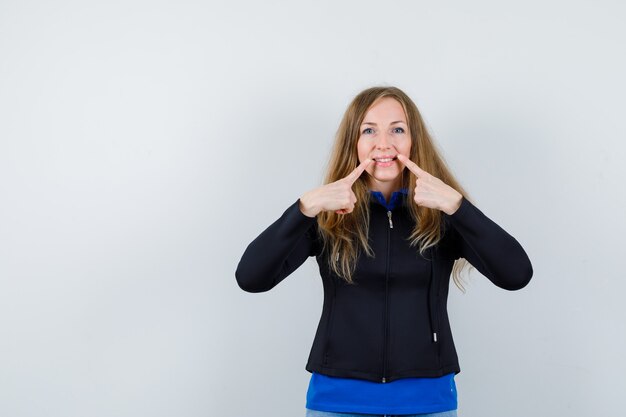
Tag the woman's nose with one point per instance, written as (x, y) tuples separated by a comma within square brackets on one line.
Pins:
[(383, 141)]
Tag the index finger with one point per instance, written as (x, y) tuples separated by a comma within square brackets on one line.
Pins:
[(356, 173), (412, 166)]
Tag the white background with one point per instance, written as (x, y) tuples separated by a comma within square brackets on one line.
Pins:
[(144, 144)]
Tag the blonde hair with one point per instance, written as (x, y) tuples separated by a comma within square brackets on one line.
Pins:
[(345, 236)]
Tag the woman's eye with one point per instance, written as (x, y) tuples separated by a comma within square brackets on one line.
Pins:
[(366, 131), (401, 130)]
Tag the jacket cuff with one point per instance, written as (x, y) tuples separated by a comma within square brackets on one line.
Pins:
[(461, 212), (295, 217)]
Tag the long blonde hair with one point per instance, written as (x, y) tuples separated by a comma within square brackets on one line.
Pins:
[(344, 236)]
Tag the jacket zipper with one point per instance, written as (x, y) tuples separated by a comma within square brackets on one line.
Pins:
[(386, 295)]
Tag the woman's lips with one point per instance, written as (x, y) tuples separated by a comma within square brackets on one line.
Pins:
[(384, 164)]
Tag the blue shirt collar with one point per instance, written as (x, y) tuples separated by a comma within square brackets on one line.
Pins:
[(394, 201)]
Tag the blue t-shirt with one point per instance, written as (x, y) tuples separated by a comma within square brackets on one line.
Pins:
[(402, 396)]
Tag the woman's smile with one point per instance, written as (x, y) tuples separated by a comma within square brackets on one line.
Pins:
[(384, 163)]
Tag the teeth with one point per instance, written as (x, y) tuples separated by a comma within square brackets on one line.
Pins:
[(385, 160)]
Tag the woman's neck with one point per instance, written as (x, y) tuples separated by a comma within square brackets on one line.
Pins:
[(386, 188)]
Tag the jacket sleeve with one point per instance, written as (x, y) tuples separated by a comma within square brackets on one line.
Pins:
[(489, 248), (278, 251)]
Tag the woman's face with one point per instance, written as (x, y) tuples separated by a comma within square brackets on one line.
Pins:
[(384, 133)]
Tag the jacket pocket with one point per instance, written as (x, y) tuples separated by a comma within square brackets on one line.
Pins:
[(439, 332), (329, 324)]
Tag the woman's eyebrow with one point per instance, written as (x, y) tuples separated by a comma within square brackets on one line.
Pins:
[(393, 123)]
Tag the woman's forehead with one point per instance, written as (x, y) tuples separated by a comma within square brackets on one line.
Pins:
[(387, 109)]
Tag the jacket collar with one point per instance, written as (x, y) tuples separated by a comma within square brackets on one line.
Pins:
[(394, 201)]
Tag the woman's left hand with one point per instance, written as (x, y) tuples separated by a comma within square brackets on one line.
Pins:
[(430, 191)]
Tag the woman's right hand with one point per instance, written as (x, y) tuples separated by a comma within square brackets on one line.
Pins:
[(336, 196)]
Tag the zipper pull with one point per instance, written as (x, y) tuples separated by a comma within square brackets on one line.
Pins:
[(384, 380), (390, 222), (435, 336)]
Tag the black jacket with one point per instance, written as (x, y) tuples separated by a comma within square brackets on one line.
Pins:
[(393, 323)]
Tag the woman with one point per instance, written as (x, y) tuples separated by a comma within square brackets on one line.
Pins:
[(388, 228)]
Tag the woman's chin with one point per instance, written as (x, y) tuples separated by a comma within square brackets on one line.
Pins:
[(385, 180), (386, 177)]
